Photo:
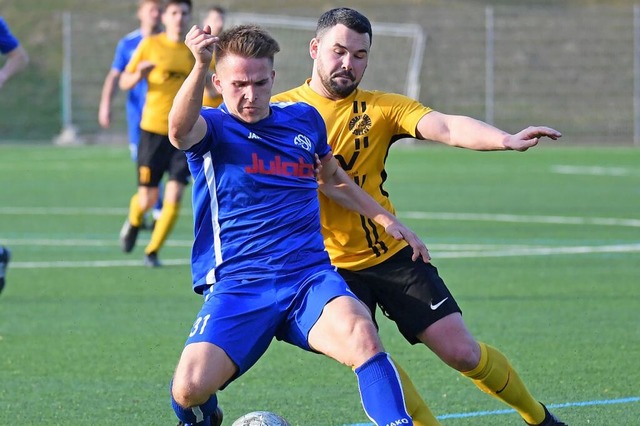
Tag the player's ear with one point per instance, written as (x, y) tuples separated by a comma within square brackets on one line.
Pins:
[(313, 48), (216, 83)]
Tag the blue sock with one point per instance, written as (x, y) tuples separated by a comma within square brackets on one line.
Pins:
[(381, 391), (198, 415)]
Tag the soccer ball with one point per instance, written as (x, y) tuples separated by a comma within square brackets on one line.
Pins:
[(261, 418)]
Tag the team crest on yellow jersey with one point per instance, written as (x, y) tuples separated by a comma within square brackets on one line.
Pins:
[(360, 124)]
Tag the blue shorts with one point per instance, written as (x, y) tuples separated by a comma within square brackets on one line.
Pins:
[(243, 317)]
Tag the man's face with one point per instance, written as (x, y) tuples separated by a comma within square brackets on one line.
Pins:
[(149, 14), (245, 85), (340, 59), (175, 19), (216, 21)]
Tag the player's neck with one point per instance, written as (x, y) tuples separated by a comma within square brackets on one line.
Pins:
[(148, 30), (175, 36)]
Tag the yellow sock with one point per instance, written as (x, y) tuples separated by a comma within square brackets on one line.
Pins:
[(135, 211), (495, 376), (417, 408), (163, 227)]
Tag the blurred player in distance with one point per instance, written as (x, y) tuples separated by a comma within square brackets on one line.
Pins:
[(16, 61), (254, 163), (148, 15), (215, 19), (15, 56), (5, 257), (164, 61), (361, 127)]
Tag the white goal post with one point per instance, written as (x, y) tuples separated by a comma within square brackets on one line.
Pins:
[(89, 41)]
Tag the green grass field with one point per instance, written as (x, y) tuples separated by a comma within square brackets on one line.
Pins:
[(541, 249)]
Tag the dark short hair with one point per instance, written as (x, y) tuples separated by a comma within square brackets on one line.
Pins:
[(247, 41), (221, 10), (350, 18), (187, 2)]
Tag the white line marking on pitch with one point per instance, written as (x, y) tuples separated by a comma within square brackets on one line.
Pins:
[(506, 252), (556, 220), (483, 217), (592, 170)]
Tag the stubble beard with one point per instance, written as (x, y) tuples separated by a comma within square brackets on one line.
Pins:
[(335, 89)]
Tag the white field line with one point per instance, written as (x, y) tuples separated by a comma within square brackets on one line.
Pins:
[(466, 251), (540, 251), (593, 170), (64, 211), (45, 242), (93, 264), (481, 217), (553, 220)]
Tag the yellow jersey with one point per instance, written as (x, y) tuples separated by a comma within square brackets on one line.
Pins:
[(173, 62), (360, 130)]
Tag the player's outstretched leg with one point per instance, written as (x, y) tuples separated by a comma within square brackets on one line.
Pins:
[(381, 391), (495, 376)]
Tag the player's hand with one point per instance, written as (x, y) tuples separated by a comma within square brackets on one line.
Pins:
[(530, 137), (144, 68), (201, 43), (400, 232), (318, 166)]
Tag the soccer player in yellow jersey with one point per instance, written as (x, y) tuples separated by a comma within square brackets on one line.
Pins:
[(164, 61), (215, 20), (361, 126)]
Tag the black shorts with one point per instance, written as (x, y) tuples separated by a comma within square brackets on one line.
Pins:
[(156, 156), (411, 294)]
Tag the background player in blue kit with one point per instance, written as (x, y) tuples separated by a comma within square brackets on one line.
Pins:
[(10, 47), (149, 16), (17, 60), (258, 255)]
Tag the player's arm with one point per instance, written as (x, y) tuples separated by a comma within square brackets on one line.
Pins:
[(128, 78), (109, 88), (336, 184), (186, 125), (17, 60), (467, 132)]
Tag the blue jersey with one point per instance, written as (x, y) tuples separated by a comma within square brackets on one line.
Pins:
[(7, 41), (255, 200), (136, 96)]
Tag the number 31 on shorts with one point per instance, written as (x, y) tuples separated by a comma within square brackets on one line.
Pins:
[(200, 324)]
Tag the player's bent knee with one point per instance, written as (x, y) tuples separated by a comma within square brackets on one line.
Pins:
[(189, 393), (462, 357), (366, 340)]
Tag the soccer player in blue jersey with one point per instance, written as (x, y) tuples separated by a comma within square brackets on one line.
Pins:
[(16, 57), (149, 16), (258, 256), (17, 60)]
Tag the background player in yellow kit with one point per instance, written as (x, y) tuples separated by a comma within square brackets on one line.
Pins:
[(215, 20), (164, 61), (361, 127)]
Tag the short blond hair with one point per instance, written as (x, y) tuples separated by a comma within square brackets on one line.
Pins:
[(247, 41)]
